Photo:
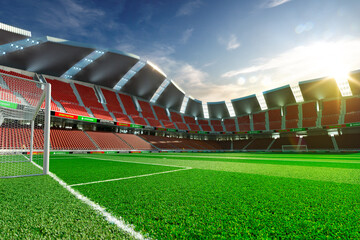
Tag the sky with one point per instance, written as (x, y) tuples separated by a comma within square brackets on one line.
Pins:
[(214, 50)]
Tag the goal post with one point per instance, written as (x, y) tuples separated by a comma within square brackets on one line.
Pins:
[(24, 127), (294, 148)]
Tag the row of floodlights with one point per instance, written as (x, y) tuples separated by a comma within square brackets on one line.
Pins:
[(32, 41), (97, 51), (21, 47), (68, 76), (88, 60)]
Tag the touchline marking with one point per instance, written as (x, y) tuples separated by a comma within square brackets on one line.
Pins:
[(124, 178), (114, 160), (325, 160), (119, 222)]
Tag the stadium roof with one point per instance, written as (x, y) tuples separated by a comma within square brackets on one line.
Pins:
[(130, 74)]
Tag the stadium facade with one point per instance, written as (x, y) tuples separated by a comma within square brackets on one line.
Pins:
[(104, 96)]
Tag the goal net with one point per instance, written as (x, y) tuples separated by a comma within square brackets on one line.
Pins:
[(294, 148), (24, 127)]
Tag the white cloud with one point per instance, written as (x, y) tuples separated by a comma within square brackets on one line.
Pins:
[(186, 35), (273, 3), (241, 81), (233, 43), (71, 15), (301, 63), (188, 8), (192, 80)]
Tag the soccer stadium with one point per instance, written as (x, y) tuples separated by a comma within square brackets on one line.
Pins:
[(102, 144)]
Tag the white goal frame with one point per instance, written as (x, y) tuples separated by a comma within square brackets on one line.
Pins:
[(294, 148), (29, 153)]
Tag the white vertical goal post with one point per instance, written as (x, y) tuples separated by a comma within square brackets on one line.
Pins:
[(24, 127)]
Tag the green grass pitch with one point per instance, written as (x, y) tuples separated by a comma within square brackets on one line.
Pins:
[(190, 196)]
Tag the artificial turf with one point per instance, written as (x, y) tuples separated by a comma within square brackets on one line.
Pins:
[(206, 204), (223, 196), (39, 208)]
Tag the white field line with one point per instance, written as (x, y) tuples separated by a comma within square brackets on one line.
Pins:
[(119, 222), (124, 178), (257, 158)]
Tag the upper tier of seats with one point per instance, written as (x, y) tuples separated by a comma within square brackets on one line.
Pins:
[(128, 104), (62, 91), (161, 113), (147, 112), (88, 96), (112, 102)]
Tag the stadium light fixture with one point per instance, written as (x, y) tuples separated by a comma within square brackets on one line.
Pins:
[(184, 104), (137, 67), (261, 100), (343, 85), (19, 45), (230, 109), (205, 110), (160, 90), (295, 88), (82, 64)]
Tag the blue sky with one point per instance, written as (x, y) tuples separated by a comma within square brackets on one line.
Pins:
[(214, 50)]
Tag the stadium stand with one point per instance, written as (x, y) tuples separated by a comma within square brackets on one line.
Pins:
[(176, 117), (292, 116), (230, 125), (108, 141), (348, 141), (88, 96), (330, 112), (90, 100), (161, 113), (189, 120), (65, 95), (217, 126), (181, 126), (274, 119), (61, 139), (168, 124), (244, 123), (139, 120), (135, 141), (154, 123), (167, 143), (147, 112), (204, 125), (259, 121), (259, 144), (75, 109), (309, 114), (352, 110), (194, 127), (128, 104), (122, 118), (320, 142), (112, 102), (279, 142), (7, 95), (30, 91), (241, 144), (19, 138)]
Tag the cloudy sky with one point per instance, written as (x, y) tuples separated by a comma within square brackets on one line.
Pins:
[(214, 50)]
